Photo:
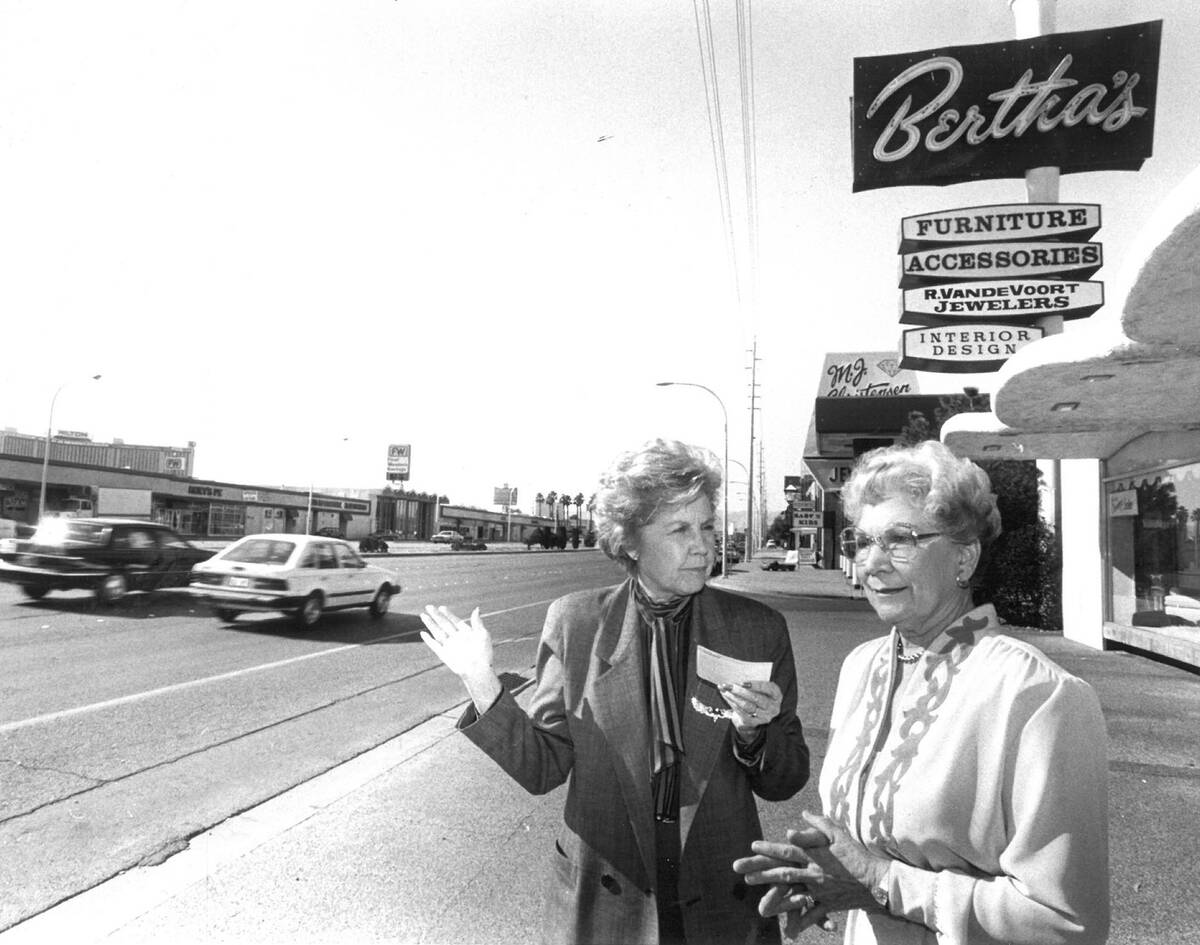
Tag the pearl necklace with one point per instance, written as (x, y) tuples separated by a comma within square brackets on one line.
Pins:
[(900, 655)]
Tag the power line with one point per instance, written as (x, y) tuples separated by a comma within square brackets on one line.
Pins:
[(712, 96)]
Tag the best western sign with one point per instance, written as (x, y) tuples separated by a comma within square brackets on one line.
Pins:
[(1082, 101), (1009, 299), (1000, 261), (1017, 221), (967, 349)]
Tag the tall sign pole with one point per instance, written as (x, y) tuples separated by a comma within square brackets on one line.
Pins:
[(1037, 18)]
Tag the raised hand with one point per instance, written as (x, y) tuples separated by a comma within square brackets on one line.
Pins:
[(466, 649)]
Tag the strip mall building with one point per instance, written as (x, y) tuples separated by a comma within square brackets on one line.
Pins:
[(82, 473)]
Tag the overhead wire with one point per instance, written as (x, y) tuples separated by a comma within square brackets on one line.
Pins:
[(749, 139), (712, 95)]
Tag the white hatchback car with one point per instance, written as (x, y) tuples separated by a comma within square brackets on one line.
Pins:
[(304, 575)]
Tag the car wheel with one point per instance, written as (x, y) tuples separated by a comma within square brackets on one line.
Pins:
[(112, 588), (382, 547), (225, 615), (34, 591), (309, 614), (379, 606)]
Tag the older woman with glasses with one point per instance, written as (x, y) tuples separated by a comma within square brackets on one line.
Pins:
[(964, 786), (664, 752)]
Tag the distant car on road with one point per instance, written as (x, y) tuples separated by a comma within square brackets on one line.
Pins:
[(447, 536), (109, 556), (467, 544), (373, 543), (302, 575)]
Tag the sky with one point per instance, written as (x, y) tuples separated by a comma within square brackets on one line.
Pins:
[(296, 232)]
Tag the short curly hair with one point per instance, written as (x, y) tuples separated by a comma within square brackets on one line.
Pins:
[(954, 492), (641, 482)]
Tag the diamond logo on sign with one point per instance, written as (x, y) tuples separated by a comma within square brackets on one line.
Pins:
[(399, 457)]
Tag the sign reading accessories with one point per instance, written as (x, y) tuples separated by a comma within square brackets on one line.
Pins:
[(1082, 101)]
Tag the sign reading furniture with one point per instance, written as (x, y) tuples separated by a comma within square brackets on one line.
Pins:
[(1082, 101)]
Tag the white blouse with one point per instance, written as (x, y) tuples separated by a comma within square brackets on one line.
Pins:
[(988, 789)]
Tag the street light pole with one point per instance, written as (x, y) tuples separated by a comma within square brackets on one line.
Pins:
[(725, 467), (46, 452)]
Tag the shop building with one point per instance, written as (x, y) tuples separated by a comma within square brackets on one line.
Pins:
[(84, 478), (1114, 405), (864, 401)]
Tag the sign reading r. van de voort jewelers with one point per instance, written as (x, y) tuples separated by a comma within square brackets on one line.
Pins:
[(1016, 300), (1082, 101)]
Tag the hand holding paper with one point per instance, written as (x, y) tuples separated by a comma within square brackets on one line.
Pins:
[(745, 686)]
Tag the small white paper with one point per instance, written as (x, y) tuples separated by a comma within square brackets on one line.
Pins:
[(721, 670)]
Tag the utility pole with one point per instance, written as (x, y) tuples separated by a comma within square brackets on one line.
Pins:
[(754, 359)]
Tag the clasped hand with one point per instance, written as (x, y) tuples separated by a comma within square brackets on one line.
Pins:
[(820, 870)]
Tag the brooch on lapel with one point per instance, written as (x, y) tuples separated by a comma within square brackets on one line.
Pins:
[(709, 712)]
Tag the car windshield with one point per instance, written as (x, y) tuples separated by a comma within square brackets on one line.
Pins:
[(260, 551)]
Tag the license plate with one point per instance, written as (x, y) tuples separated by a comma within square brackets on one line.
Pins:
[(239, 582)]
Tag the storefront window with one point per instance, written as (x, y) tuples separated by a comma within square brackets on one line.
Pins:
[(226, 521), (1154, 546)]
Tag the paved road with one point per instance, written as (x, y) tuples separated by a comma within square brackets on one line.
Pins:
[(125, 730)]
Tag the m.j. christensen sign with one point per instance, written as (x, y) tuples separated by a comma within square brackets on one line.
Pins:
[(1081, 101)]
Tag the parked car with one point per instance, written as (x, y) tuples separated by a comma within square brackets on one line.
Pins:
[(786, 563), (330, 532), (373, 543), (733, 557), (302, 575), (446, 536), (467, 544), (109, 556)]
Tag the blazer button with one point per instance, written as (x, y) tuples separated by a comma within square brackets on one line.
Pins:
[(610, 883)]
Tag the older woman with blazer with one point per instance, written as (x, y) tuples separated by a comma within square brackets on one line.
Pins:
[(663, 765)]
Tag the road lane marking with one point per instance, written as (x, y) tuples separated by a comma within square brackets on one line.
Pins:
[(233, 674)]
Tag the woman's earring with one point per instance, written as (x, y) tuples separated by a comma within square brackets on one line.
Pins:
[(962, 582)]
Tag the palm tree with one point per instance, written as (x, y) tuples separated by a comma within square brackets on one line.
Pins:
[(578, 506), (552, 501), (539, 499)]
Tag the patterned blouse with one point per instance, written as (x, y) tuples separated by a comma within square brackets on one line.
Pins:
[(983, 775)]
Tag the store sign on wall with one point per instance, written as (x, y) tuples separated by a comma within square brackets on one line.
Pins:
[(1081, 101), (1009, 299), (865, 374), (965, 349), (1122, 503)]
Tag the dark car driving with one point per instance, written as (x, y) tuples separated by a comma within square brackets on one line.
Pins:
[(109, 556)]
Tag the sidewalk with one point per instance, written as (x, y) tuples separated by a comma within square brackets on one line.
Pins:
[(422, 841)]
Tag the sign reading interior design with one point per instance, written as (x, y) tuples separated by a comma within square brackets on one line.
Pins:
[(966, 349), (1082, 101)]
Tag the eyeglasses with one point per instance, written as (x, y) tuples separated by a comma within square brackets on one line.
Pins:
[(898, 542)]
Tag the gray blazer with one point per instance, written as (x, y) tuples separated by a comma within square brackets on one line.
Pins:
[(588, 720)]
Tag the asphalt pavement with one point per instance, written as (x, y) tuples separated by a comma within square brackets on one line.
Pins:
[(423, 840)]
